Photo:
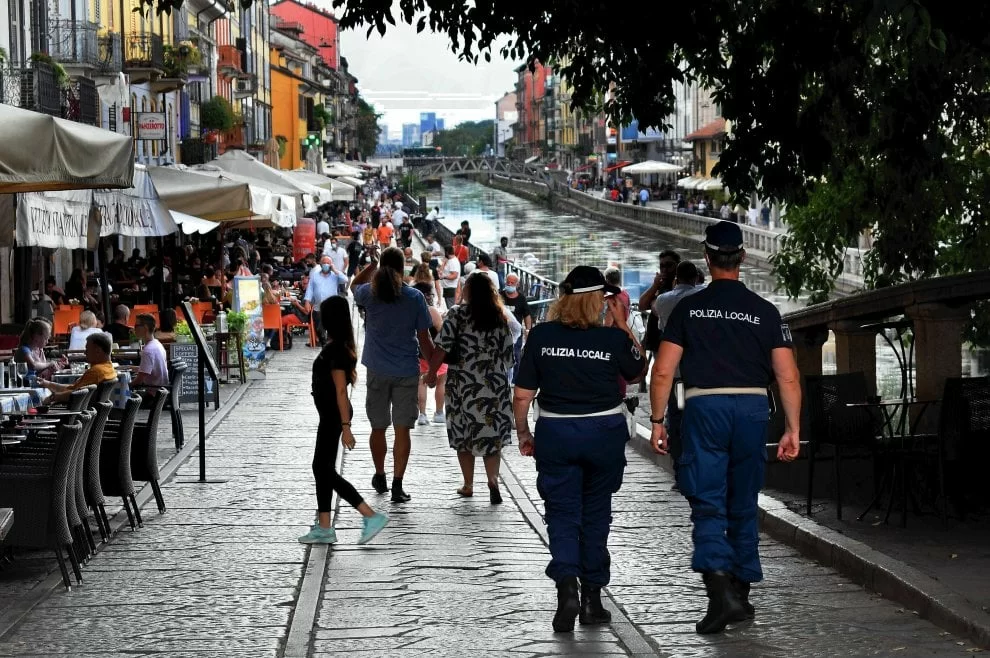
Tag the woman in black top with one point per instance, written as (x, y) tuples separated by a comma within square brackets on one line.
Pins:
[(333, 370)]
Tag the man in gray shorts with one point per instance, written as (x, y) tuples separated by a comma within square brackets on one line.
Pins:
[(397, 322)]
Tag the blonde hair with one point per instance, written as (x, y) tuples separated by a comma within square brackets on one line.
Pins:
[(87, 320), (579, 311)]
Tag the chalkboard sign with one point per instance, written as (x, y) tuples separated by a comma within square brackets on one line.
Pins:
[(200, 340), (189, 382)]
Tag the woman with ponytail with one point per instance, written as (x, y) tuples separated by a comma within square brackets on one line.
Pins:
[(397, 330)]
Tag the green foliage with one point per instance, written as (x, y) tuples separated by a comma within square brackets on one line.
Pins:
[(180, 58), (367, 127), (237, 321), (322, 116), (411, 185), (182, 329), (61, 77), (858, 115), (282, 141), (216, 114), (466, 139)]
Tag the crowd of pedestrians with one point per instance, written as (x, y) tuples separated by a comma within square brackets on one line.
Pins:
[(464, 329)]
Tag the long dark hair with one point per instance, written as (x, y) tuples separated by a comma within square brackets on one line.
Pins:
[(483, 303), (335, 314), (387, 284)]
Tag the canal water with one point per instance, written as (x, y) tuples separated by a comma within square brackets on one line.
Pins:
[(551, 243)]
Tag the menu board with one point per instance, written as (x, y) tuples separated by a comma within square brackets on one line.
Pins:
[(189, 382), (247, 299)]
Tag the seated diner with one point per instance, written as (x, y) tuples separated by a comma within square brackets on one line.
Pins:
[(100, 369)]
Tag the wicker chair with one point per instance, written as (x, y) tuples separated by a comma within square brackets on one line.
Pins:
[(144, 449), (79, 398), (115, 460), (92, 492), (82, 541), (176, 368), (103, 392), (38, 500)]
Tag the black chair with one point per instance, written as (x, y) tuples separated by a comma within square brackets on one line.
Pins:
[(850, 431), (79, 398), (115, 460), (176, 368), (144, 449), (83, 543), (103, 391), (38, 497), (92, 491)]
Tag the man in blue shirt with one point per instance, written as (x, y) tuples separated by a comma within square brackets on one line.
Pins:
[(397, 328), (323, 284)]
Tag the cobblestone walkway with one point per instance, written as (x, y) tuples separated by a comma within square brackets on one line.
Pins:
[(220, 573)]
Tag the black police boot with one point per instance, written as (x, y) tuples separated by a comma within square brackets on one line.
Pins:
[(742, 589), (568, 605), (592, 611), (724, 606)]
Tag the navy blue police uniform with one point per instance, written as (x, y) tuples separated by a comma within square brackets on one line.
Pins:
[(727, 333), (579, 438)]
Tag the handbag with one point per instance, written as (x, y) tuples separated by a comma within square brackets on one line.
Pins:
[(453, 357)]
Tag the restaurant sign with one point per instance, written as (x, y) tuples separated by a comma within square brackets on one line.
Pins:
[(151, 125)]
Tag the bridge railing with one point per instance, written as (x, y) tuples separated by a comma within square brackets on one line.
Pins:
[(539, 290)]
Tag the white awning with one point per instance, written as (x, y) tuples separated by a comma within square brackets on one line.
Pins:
[(356, 183), (136, 212), (710, 184), (652, 167), (190, 224), (533, 158)]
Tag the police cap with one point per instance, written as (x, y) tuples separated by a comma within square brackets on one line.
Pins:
[(725, 237), (585, 278)]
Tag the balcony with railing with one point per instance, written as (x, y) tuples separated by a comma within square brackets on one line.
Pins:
[(32, 88), (144, 56), (110, 59), (246, 86), (234, 138), (74, 44), (230, 62), (82, 102)]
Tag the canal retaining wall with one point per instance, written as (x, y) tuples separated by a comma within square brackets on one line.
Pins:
[(684, 229)]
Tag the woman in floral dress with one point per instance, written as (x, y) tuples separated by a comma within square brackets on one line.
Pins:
[(480, 333)]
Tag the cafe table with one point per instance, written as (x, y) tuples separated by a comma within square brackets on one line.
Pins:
[(121, 391), (13, 400)]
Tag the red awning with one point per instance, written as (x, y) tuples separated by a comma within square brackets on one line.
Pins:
[(619, 165), (584, 167)]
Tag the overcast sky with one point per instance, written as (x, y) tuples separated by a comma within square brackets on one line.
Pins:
[(405, 73)]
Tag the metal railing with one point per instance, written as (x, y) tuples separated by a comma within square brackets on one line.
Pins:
[(82, 102), (230, 60), (109, 56), (144, 51), (31, 88), (540, 291), (74, 42)]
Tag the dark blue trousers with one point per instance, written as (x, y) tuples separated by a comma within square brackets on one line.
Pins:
[(720, 472), (580, 463)]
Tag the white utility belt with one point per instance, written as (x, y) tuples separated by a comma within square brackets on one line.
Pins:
[(724, 390), (543, 413)]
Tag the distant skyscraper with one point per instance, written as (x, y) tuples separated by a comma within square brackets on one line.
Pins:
[(439, 124), (410, 134), (428, 122), (382, 133)]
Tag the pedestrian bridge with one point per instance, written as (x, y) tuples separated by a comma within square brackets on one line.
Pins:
[(438, 167)]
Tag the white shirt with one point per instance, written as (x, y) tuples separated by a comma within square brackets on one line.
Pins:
[(451, 266), (339, 255), (398, 215), (433, 214), (78, 336), (435, 248), (154, 363), (493, 275), (322, 227)]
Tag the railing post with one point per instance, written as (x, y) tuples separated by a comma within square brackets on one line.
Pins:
[(808, 349), (856, 349), (938, 333)]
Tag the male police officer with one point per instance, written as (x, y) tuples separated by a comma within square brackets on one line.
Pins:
[(733, 343)]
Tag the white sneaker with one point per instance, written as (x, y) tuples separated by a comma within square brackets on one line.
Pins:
[(422, 420), (439, 418)]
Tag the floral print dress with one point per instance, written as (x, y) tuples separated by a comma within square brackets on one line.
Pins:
[(479, 405)]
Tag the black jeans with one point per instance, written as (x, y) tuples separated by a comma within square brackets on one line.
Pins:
[(321, 335), (328, 479)]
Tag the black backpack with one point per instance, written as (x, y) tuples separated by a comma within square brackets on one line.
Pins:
[(651, 339)]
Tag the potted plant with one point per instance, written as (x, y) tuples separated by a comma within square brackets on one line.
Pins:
[(237, 322), (216, 114), (61, 77), (183, 334)]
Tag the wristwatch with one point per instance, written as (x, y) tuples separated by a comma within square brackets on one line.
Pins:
[(656, 421)]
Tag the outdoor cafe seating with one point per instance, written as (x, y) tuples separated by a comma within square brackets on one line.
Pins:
[(924, 452)]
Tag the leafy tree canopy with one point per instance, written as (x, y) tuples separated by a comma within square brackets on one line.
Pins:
[(858, 114), (366, 123), (467, 138)]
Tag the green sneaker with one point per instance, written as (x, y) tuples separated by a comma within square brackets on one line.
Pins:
[(372, 526), (318, 535)]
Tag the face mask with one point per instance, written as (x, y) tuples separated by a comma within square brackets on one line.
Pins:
[(325, 267), (333, 245), (510, 289)]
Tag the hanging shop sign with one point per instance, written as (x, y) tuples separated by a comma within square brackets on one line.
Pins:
[(151, 125)]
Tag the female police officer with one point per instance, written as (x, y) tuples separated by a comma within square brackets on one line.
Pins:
[(581, 434)]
